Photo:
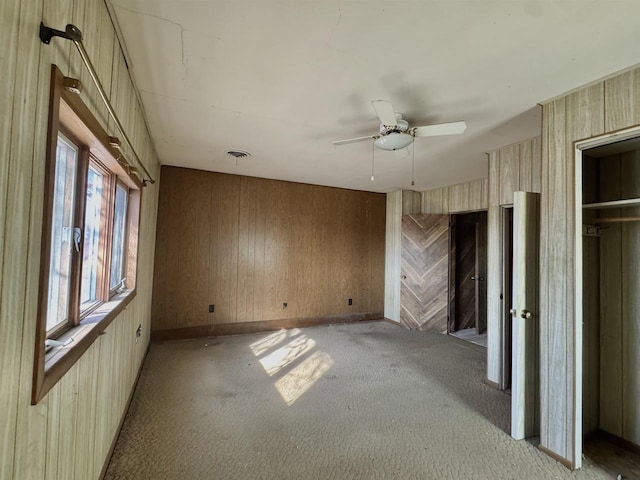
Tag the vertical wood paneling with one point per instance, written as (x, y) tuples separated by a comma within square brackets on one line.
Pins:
[(459, 198), (58, 438), (509, 172), (411, 202), (622, 98), (10, 329), (525, 168), (557, 335), (575, 117), (260, 243), (393, 236), (630, 188), (494, 273), (536, 165), (462, 197), (436, 201)]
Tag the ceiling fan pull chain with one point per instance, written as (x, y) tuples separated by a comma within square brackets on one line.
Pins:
[(413, 165)]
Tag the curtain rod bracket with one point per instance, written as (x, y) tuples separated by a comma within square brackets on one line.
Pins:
[(71, 32), (74, 34)]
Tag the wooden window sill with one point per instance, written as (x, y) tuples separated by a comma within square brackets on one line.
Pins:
[(59, 360)]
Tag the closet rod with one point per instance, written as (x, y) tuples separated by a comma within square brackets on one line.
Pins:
[(74, 34), (617, 220)]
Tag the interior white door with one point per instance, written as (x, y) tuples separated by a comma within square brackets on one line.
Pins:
[(525, 381)]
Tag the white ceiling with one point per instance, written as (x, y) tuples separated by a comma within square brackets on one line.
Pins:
[(283, 79)]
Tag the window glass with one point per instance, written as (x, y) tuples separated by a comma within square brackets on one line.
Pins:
[(62, 233), (91, 260), (119, 225)]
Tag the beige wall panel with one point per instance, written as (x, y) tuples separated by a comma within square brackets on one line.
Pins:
[(435, 201), (393, 252), (631, 330), (554, 288), (494, 272), (536, 165), (462, 197), (86, 414), (509, 172), (482, 201), (459, 198), (622, 98), (577, 115), (525, 170), (56, 438), (411, 202), (65, 442), (10, 329)]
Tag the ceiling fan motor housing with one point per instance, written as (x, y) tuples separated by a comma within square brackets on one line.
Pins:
[(401, 127)]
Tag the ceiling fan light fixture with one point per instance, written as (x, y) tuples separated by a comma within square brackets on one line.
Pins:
[(394, 141)]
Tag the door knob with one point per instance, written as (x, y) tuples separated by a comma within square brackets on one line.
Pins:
[(526, 314), (513, 312)]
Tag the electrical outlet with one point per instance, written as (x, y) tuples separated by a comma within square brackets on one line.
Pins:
[(351, 301), (284, 305), (212, 308)]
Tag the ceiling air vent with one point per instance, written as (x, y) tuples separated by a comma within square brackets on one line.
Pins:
[(238, 153)]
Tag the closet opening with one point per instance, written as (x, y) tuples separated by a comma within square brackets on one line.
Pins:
[(608, 301), (467, 277)]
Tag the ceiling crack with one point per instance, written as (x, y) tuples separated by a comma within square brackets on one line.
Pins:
[(339, 14), (179, 25)]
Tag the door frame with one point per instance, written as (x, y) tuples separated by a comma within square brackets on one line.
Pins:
[(505, 304), (451, 322), (579, 147)]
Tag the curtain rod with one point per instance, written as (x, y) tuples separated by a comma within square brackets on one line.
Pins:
[(74, 34)]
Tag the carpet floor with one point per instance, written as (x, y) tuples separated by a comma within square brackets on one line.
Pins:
[(354, 401)]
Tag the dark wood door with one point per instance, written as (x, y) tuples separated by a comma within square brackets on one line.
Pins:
[(465, 269), (424, 288), (481, 273)]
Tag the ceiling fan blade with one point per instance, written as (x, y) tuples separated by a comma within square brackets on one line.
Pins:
[(384, 110), (354, 140), (453, 128)]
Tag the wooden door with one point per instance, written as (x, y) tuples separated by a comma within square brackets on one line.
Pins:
[(481, 274), (525, 383), (424, 288), (463, 287)]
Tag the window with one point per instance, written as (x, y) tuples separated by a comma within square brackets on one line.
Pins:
[(89, 251)]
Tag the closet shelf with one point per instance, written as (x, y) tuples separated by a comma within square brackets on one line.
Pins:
[(616, 220), (631, 202)]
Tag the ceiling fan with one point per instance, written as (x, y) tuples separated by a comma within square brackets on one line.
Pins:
[(395, 133)]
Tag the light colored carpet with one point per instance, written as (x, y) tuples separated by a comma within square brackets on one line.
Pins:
[(358, 401), (470, 335)]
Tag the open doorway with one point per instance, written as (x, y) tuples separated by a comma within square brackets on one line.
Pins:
[(608, 291), (467, 277), (506, 231)]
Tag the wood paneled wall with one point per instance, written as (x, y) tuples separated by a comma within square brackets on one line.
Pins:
[(512, 168), (462, 197), (611, 303), (247, 245), (69, 433), (393, 256), (596, 109)]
